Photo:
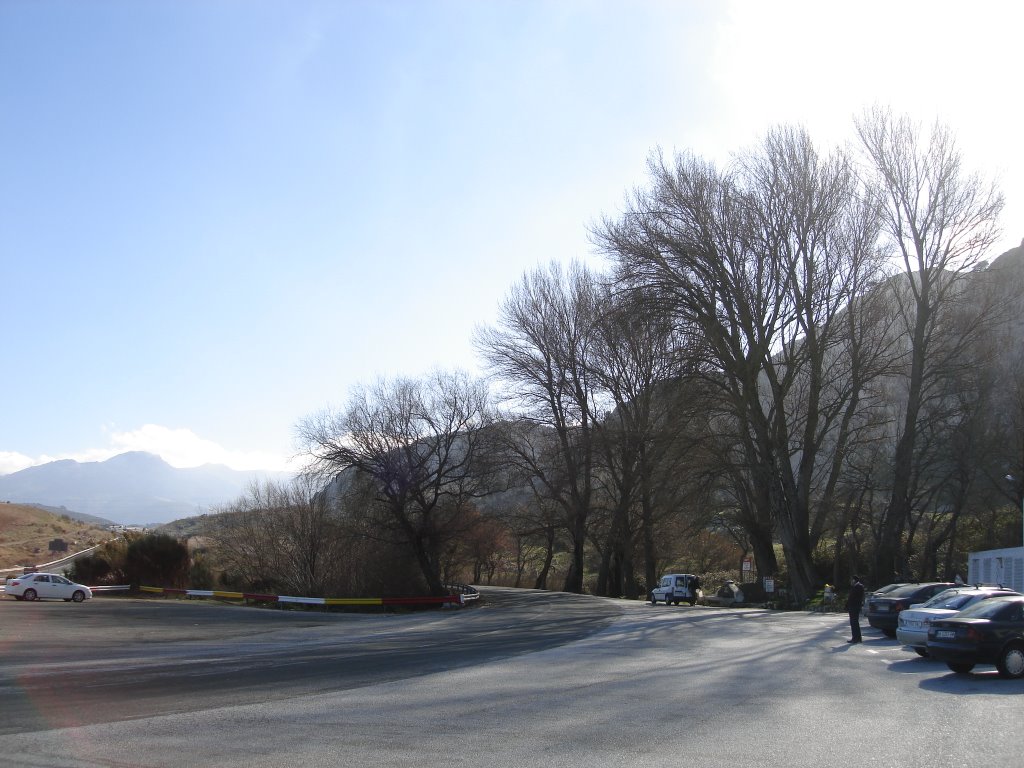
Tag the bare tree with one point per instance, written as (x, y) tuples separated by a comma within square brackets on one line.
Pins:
[(421, 446), (538, 351), (764, 259), (281, 536), (941, 220), (536, 530), (652, 439)]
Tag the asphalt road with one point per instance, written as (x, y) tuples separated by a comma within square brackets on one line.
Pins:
[(116, 659), (528, 679)]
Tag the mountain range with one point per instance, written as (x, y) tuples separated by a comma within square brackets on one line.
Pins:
[(134, 488)]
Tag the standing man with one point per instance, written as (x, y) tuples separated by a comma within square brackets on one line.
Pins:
[(853, 606)]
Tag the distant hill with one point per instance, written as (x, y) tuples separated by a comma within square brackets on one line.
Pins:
[(188, 527), (98, 522), (26, 532), (132, 489)]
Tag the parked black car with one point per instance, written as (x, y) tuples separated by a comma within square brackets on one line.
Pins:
[(879, 592), (884, 610), (989, 632)]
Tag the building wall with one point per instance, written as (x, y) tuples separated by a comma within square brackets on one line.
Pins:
[(997, 566)]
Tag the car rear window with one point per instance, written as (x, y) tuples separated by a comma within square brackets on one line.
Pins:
[(986, 609), (888, 588), (957, 602), (904, 591), (940, 600)]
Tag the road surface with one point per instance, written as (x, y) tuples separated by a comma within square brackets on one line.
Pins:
[(527, 679)]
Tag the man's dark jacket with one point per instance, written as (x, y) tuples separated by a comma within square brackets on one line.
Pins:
[(856, 598)]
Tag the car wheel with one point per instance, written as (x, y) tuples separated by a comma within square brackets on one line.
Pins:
[(889, 632), (922, 652), (960, 667), (654, 600), (79, 596), (30, 594), (1011, 662)]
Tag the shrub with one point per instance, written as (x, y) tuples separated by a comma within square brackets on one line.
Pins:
[(157, 560), (91, 569)]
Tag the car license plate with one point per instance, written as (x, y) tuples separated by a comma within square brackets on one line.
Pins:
[(945, 634), (882, 608)]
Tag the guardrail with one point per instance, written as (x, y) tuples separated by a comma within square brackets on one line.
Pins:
[(463, 594), (18, 570), (459, 599), (467, 592)]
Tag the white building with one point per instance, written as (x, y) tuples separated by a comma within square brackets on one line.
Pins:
[(997, 566)]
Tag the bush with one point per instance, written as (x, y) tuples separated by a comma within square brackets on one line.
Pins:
[(90, 570), (157, 560), (200, 575)]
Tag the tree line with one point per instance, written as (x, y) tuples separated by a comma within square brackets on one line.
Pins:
[(798, 355)]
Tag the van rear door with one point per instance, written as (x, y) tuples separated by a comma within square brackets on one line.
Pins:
[(682, 587)]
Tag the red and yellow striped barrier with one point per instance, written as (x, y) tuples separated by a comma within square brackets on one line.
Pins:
[(362, 601)]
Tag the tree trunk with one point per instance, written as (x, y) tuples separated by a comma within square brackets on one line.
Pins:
[(764, 551), (549, 555), (574, 577)]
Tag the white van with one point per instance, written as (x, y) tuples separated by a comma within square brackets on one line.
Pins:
[(678, 588)]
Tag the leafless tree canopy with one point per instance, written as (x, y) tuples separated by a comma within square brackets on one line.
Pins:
[(539, 353), (421, 444), (798, 347), (281, 537), (941, 220), (775, 260)]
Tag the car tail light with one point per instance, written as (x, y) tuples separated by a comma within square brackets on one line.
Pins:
[(898, 606), (973, 635), (15, 583)]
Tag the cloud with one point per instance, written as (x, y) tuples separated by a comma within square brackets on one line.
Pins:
[(14, 462), (184, 448), (179, 447)]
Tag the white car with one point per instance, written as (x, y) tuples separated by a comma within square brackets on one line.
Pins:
[(678, 588), (46, 586), (912, 629)]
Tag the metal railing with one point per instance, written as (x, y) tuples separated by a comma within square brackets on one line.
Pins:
[(467, 592)]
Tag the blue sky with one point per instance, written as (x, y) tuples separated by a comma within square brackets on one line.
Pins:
[(217, 217)]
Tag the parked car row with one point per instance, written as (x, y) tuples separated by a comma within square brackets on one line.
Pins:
[(914, 622), (958, 624), (885, 605)]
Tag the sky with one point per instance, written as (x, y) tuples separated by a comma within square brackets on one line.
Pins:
[(218, 217)]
